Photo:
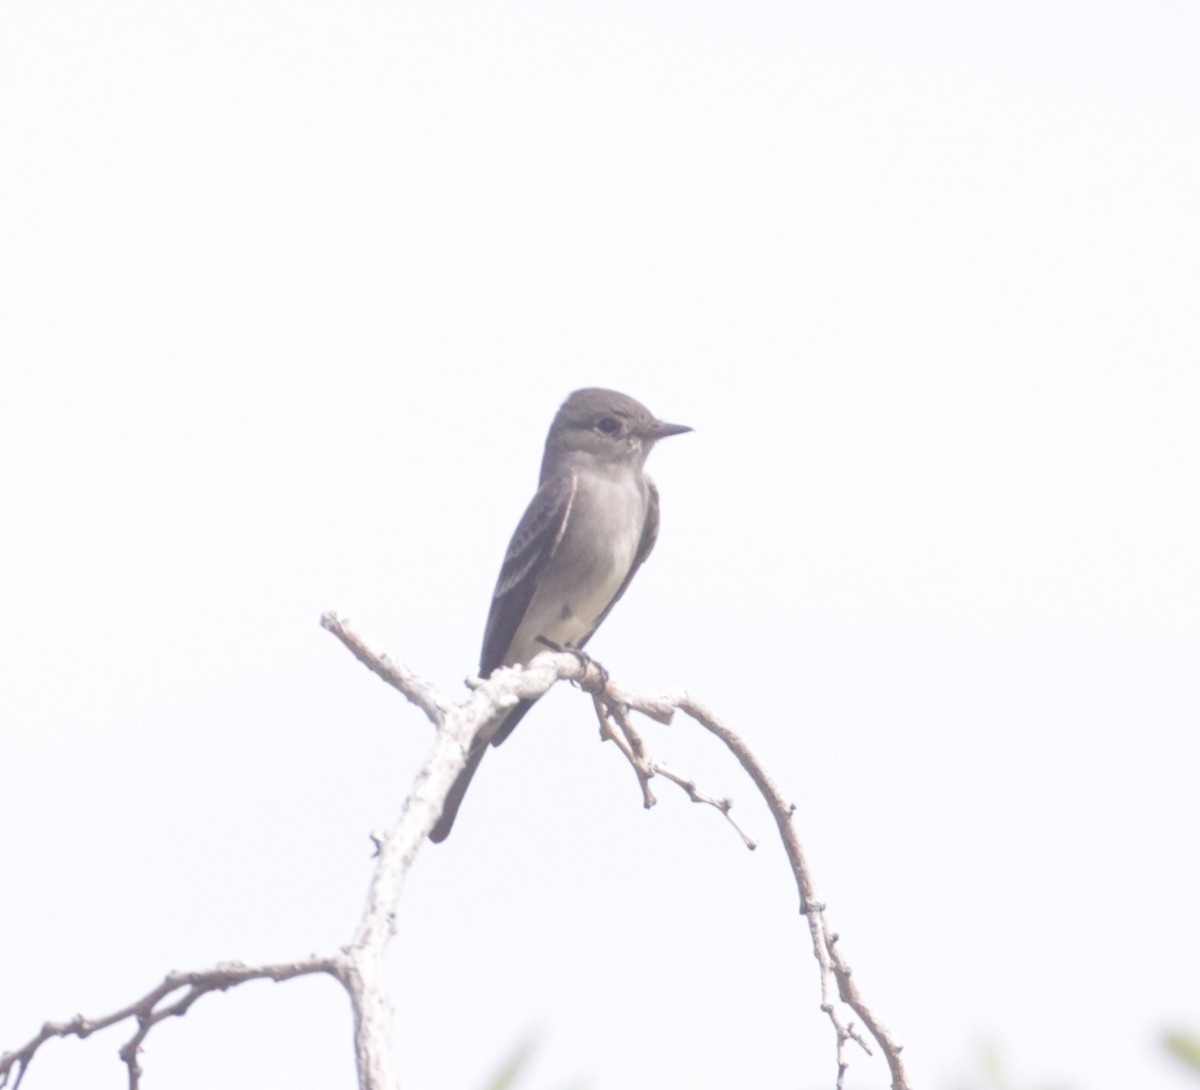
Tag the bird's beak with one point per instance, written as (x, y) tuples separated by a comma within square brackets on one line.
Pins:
[(660, 429)]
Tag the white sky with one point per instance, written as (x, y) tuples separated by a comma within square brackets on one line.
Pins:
[(288, 295)]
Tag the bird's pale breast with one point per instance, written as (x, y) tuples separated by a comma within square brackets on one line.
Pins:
[(591, 562)]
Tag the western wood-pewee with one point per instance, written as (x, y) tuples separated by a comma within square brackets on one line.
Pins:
[(589, 527)]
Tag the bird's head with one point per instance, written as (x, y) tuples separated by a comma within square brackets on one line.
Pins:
[(605, 426)]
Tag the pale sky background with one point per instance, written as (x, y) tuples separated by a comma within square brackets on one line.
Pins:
[(289, 293)]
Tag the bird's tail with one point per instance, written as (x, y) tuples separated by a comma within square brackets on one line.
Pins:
[(454, 799), (459, 787)]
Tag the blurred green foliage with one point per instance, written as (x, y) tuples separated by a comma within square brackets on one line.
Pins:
[(991, 1074), (510, 1071), (1184, 1046)]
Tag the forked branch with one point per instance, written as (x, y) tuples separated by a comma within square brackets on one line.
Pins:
[(359, 965)]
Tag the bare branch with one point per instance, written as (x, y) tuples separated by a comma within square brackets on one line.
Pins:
[(824, 938), (149, 1011), (416, 689), (398, 846), (696, 795), (359, 966), (628, 741), (833, 967), (613, 702)]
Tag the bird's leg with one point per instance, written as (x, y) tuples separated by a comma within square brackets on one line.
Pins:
[(585, 660)]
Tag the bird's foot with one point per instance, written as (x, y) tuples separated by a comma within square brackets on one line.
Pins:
[(585, 660)]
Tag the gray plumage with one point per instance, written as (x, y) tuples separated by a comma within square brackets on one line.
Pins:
[(583, 537)]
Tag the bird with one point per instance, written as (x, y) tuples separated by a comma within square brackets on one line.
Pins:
[(586, 532)]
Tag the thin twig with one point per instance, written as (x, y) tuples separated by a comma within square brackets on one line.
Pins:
[(825, 941), (148, 1012), (836, 982), (628, 741), (416, 689), (696, 795)]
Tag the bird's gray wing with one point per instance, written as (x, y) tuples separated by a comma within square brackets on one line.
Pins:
[(533, 544), (645, 547)]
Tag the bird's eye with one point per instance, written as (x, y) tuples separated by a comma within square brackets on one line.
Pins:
[(608, 425)]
